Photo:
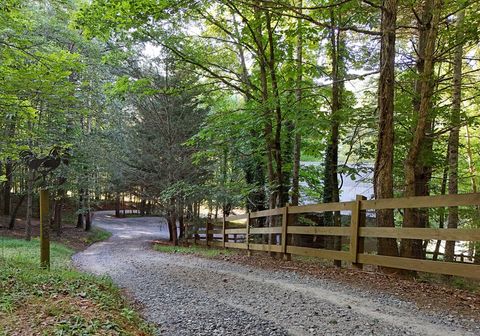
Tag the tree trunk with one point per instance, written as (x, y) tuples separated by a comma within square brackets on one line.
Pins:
[(428, 27), (124, 206), (80, 215), (57, 219), (331, 192), (471, 165), (441, 220), (298, 111), (88, 220), (143, 204), (172, 222), (267, 113), (454, 138), (117, 205), (7, 187), (13, 216), (170, 228), (88, 211), (277, 142), (181, 222), (28, 219), (473, 182), (383, 171)]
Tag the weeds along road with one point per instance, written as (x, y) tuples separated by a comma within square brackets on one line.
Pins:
[(187, 295)]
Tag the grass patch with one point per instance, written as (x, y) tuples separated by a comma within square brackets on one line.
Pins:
[(206, 252), (62, 301), (96, 235)]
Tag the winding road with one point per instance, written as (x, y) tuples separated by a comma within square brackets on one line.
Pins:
[(186, 295)]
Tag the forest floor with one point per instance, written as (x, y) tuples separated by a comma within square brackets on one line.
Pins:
[(62, 300), (231, 294)]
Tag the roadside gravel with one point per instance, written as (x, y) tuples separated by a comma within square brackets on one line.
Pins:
[(187, 295)]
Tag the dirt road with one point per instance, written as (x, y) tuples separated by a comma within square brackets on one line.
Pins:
[(186, 295)]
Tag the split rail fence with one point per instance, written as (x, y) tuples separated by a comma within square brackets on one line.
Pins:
[(227, 232)]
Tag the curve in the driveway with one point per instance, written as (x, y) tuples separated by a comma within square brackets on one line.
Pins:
[(186, 295)]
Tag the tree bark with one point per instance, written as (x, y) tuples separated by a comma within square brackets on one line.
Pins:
[(454, 138), (143, 205), (28, 219), (473, 182), (80, 216), (383, 171), (172, 222), (298, 103), (181, 221), (331, 192), (13, 216), (266, 111), (277, 141), (441, 220), (7, 187), (117, 205), (428, 28)]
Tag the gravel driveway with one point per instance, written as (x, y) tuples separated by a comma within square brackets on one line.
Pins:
[(186, 295)]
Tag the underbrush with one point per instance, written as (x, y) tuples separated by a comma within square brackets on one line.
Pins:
[(62, 301)]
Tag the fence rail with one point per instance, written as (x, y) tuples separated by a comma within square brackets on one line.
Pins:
[(279, 236)]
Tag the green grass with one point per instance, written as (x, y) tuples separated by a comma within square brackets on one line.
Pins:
[(206, 252), (96, 235), (62, 301)]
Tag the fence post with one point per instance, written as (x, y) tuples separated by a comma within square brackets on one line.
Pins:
[(285, 216), (207, 228), (224, 226), (247, 235), (357, 220), (195, 232)]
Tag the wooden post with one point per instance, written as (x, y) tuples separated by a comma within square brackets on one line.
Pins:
[(247, 235), (195, 232), (224, 226), (44, 229), (357, 220), (285, 216), (207, 227)]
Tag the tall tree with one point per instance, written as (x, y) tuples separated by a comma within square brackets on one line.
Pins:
[(383, 173), (427, 42), (454, 138)]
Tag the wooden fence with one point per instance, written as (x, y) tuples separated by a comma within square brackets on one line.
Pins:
[(226, 232)]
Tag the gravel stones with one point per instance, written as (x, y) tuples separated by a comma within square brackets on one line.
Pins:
[(186, 295)]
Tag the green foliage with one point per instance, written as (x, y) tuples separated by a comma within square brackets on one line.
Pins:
[(201, 102)]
